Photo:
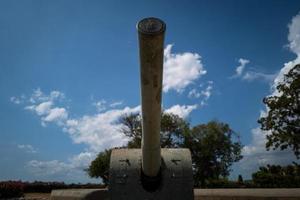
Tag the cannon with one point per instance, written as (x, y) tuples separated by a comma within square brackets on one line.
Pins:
[(151, 172)]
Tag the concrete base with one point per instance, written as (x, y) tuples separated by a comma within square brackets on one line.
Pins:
[(247, 194), (80, 194), (199, 194)]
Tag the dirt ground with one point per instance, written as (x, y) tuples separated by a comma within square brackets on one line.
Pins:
[(37, 196)]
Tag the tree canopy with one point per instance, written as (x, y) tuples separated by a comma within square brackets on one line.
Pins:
[(214, 146), (283, 114), (277, 176), (99, 168)]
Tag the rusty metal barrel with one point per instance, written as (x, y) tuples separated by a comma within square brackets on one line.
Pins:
[(151, 44), (151, 172)]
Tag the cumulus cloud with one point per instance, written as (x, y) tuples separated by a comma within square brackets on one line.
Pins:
[(56, 114), (294, 46), (44, 106), (294, 35), (99, 131), (180, 70), (27, 148), (181, 110)]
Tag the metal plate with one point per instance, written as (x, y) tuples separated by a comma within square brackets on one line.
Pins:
[(125, 175)]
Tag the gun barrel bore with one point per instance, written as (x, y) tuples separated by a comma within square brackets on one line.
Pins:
[(151, 41)]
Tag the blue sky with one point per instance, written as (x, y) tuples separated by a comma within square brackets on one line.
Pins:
[(69, 69)]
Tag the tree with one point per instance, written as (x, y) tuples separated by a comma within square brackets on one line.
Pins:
[(99, 168), (240, 179), (277, 176), (173, 130), (214, 148), (283, 117)]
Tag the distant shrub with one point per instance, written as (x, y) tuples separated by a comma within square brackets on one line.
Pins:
[(10, 189), (275, 176)]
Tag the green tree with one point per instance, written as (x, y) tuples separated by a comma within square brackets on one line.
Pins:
[(214, 147), (173, 130), (99, 168), (275, 176), (240, 179), (283, 117)]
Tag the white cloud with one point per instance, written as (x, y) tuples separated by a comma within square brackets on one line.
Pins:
[(182, 111), (180, 70), (100, 105), (239, 69), (44, 106), (207, 92), (194, 93), (250, 75), (56, 114), (67, 171), (82, 160), (294, 35), (15, 100), (256, 155), (27, 148), (44, 168), (38, 96), (204, 93), (99, 131), (115, 104)]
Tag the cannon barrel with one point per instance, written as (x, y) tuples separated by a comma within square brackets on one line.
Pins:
[(151, 172), (151, 41)]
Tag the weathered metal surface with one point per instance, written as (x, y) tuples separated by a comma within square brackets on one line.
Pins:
[(125, 175), (151, 39)]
